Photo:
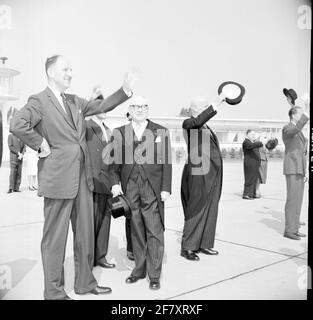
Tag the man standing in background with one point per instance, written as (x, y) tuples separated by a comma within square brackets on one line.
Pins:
[(295, 171), (17, 150), (251, 164), (53, 123), (98, 135)]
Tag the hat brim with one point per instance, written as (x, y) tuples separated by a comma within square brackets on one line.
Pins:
[(271, 144), (233, 91), (119, 206)]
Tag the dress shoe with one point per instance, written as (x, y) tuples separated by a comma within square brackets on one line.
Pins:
[(209, 251), (299, 234), (154, 284), (292, 236), (301, 223), (132, 279), (10, 191), (99, 290), (130, 256), (247, 198), (17, 190), (257, 197), (189, 255), (64, 298), (105, 264), (35, 188)]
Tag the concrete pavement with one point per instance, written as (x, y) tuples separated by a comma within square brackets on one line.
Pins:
[(255, 260)]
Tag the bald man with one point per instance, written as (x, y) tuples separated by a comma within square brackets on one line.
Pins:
[(201, 183), (53, 124)]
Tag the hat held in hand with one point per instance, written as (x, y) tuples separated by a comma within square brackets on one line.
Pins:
[(119, 206), (271, 144), (233, 92), (291, 94)]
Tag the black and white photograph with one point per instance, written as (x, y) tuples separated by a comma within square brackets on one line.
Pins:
[(155, 152)]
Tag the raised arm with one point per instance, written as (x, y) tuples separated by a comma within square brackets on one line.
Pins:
[(248, 145), (92, 107), (291, 130), (200, 120)]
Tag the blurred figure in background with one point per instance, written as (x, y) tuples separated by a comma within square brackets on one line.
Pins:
[(262, 168), (251, 164), (17, 150), (31, 158)]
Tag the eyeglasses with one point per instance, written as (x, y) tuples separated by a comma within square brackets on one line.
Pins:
[(135, 106)]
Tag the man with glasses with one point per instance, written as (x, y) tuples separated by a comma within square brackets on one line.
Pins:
[(142, 170)]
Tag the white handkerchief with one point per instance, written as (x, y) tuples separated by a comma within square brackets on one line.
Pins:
[(158, 139)]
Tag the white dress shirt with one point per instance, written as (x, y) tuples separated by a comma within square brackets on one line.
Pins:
[(139, 128), (57, 94)]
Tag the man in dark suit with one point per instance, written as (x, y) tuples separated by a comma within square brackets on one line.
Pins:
[(251, 164), (98, 135), (295, 171), (53, 124), (17, 150), (201, 183), (142, 165)]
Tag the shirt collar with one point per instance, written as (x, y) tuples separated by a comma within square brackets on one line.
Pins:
[(140, 125), (55, 91)]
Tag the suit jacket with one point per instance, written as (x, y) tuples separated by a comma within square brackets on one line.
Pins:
[(96, 143), (16, 146), (196, 130), (43, 116), (295, 147), (251, 150), (202, 177), (154, 155), (263, 154)]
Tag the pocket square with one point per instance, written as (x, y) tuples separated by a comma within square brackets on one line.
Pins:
[(158, 139)]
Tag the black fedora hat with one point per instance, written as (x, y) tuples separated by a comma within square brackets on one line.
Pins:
[(119, 206), (290, 93), (233, 91), (271, 144)]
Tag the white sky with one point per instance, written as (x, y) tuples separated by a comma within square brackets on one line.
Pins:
[(182, 47)]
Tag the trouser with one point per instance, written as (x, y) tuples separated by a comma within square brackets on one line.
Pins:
[(102, 216), (128, 235), (147, 231), (199, 231), (15, 174), (58, 213), (295, 188)]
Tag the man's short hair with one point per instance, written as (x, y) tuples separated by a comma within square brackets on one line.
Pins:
[(51, 61), (248, 131), (293, 111)]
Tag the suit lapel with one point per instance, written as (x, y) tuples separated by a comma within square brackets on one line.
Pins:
[(98, 132), (56, 103)]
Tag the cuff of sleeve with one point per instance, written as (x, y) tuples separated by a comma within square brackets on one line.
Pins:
[(214, 107), (129, 93)]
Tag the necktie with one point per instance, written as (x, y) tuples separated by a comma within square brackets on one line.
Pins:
[(68, 110)]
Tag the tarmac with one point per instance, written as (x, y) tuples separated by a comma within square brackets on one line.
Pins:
[(255, 261)]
